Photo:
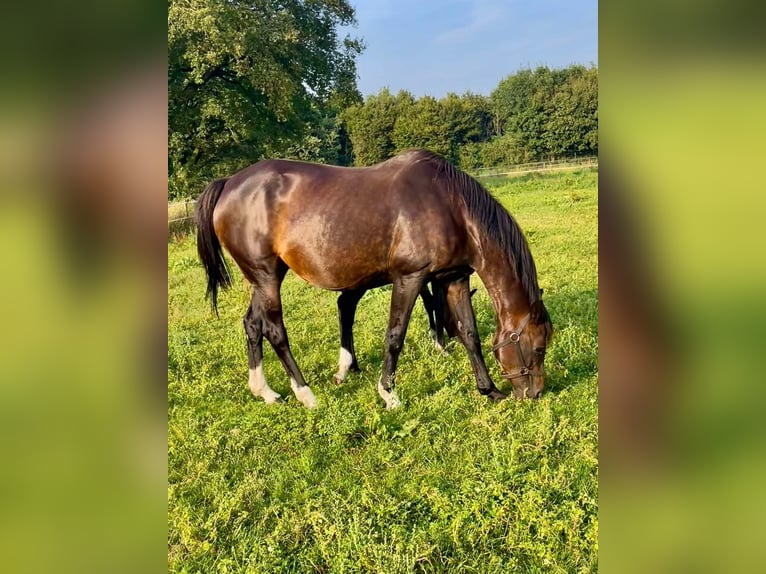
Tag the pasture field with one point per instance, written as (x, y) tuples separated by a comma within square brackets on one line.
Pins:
[(446, 483)]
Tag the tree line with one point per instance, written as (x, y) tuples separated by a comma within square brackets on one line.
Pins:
[(249, 80)]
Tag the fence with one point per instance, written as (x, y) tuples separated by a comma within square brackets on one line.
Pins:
[(181, 211), (522, 168)]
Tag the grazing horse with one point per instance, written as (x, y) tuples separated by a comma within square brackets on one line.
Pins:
[(408, 220)]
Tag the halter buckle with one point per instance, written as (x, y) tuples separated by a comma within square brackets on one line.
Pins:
[(514, 337)]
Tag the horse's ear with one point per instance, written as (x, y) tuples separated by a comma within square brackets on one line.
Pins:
[(536, 311)]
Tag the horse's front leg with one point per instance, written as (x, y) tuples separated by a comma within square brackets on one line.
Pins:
[(347, 302), (405, 293), (459, 301)]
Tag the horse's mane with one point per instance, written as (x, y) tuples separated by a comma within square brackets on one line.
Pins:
[(490, 216)]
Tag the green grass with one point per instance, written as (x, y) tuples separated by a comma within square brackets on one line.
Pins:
[(446, 483)]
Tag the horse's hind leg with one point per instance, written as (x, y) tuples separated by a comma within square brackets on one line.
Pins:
[(459, 301), (403, 298), (254, 333), (441, 313), (266, 290), (433, 320), (347, 302), (447, 317)]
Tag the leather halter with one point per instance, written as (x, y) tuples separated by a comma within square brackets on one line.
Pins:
[(514, 339)]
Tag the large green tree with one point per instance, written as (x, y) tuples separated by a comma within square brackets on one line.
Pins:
[(249, 78)]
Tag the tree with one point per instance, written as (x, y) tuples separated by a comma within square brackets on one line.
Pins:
[(468, 120), (511, 101), (549, 113), (246, 77), (423, 125), (470, 116), (572, 122), (371, 125)]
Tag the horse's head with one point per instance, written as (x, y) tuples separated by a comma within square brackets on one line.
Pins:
[(520, 350)]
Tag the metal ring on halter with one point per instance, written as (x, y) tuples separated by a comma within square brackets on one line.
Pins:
[(515, 336)]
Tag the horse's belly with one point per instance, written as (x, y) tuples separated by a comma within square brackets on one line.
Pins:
[(336, 269)]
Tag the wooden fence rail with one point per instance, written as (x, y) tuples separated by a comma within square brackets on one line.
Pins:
[(181, 211), (522, 168)]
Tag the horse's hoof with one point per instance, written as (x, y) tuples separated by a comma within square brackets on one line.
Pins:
[(496, 396), (393, 403), (304, 395), (272, 397), (354, 368), (337, 380)]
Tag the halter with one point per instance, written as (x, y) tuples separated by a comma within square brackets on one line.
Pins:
[(513, 339)]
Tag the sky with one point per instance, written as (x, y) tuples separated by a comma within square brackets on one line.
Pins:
[(432, 47)]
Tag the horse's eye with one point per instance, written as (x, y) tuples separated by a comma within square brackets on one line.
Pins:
[(540, 350)]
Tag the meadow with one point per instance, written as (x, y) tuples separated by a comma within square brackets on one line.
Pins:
[(449, 482)]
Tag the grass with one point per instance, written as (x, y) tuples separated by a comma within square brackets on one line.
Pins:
[(446, 483)]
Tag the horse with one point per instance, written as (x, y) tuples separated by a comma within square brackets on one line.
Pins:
[(440, 320), (411, 219)]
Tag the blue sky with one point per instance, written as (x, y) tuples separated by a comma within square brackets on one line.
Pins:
[(439, 46)]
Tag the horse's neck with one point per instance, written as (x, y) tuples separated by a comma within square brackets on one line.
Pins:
[(505, 290)]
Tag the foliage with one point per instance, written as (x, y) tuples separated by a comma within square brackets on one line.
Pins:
[(499, 151), (371, 125), (572, 125), (447, 483), (249, 79), (245, 79), (385, 125), (423, 125), (325, 141), (531, 115), (550, 113)]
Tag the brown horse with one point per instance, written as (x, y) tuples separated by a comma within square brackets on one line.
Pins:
[(408, 220)]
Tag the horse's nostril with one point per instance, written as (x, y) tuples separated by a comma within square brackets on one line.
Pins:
[(538, 394)]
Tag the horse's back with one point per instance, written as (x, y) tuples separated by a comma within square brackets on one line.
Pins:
[(338, 227)]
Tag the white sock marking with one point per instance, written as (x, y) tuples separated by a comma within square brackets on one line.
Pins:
[(435, 340), (390, 397), (303, 394), (260, 388), (344, 364)]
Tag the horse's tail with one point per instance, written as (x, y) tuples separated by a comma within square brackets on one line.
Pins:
[(208, 247)]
